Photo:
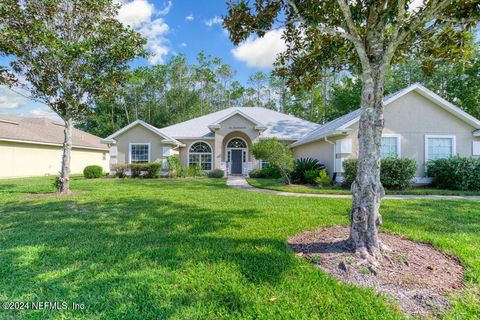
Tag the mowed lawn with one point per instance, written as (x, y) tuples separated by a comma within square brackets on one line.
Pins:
[(196, 249)]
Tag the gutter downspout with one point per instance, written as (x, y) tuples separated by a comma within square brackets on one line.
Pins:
[(334, 155)]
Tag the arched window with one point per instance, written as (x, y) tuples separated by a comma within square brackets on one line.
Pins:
[(200, 153), (236, 143)]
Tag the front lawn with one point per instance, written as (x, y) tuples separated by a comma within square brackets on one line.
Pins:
[(278, 185), (197, 249)]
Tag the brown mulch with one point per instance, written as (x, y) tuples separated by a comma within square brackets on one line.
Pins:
[(31, 196), (417, 275)]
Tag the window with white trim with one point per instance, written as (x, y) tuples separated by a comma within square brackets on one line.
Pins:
[(390, 147), (200, 153), (439, 147), (139, 152), (263, 163)]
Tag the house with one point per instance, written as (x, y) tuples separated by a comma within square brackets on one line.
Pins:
[(419, 124), (33, 147)]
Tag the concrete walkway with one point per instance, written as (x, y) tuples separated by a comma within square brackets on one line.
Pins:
[(240, 182)]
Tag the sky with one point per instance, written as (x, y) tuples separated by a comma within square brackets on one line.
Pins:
[(174, 27)]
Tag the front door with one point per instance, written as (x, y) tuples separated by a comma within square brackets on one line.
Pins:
[(236, 161)]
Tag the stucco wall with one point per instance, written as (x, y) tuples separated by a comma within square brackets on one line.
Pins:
[(412, 117), (139, 134), (24, 160)]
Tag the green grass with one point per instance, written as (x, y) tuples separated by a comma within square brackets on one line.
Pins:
[(196, 249), (278, 185)]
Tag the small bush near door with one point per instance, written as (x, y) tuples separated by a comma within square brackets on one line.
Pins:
[(92, 172), (456, 173), (216, 173), (395, 173)]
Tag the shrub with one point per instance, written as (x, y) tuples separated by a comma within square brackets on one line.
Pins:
[(92, 172), (309, 176), (350, 172), (270, 171), (303, 165), (323, 179), (120, 170), (256, 174), (146, 170), (174, 166), (195, 171), (395, 173), (457, 173), (277, 154), (216, 173)]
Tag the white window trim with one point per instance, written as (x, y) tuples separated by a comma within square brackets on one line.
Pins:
[(139, 143), (211, 153), (399, 142), (454, 142)]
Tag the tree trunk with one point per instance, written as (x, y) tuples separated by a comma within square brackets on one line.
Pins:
[(64, 182), (367, 189)]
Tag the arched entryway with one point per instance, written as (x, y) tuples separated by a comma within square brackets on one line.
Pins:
[(236, 156)]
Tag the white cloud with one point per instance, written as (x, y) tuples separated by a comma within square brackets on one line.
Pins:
[(183, 45), (190, 17), (42, 112), (261, 52), (142, 16), (215, 20), (135, 13), (10, 99)]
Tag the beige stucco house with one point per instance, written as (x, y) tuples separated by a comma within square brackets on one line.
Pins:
[(33, 147), (419, 124)]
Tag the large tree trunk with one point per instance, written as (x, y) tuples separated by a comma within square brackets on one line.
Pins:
[(64, 183), (367, 189)]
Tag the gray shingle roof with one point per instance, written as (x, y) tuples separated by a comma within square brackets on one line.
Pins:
[(279, 125), (43, 130), (328, 128)]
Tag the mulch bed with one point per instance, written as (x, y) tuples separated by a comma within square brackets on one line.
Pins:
[(31, 196), (417, 275)]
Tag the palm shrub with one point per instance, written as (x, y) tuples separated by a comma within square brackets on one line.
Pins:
[(303, 165), (92, 172), (395, 173), (457, 173)]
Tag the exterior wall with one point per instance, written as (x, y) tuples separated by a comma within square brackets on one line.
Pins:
[(412, 117), (245, 129), (24, 159), (321, 150), (139, 134)]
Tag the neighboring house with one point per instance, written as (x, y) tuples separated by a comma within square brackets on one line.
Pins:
[(418, 124), (33, 147)]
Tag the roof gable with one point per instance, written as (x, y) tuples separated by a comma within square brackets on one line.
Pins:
[(343, 123), (166, 139)]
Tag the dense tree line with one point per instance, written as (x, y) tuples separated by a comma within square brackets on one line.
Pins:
[(177, 91)]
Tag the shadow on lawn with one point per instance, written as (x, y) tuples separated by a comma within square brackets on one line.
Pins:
[(59, 242)]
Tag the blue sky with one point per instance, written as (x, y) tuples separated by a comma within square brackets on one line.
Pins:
[(174, 27)]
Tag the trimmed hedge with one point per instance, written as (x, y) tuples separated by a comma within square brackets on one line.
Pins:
[(456, 173), (395, 173), (269, 171), (92, 172), (216, 173), (146, 170)]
